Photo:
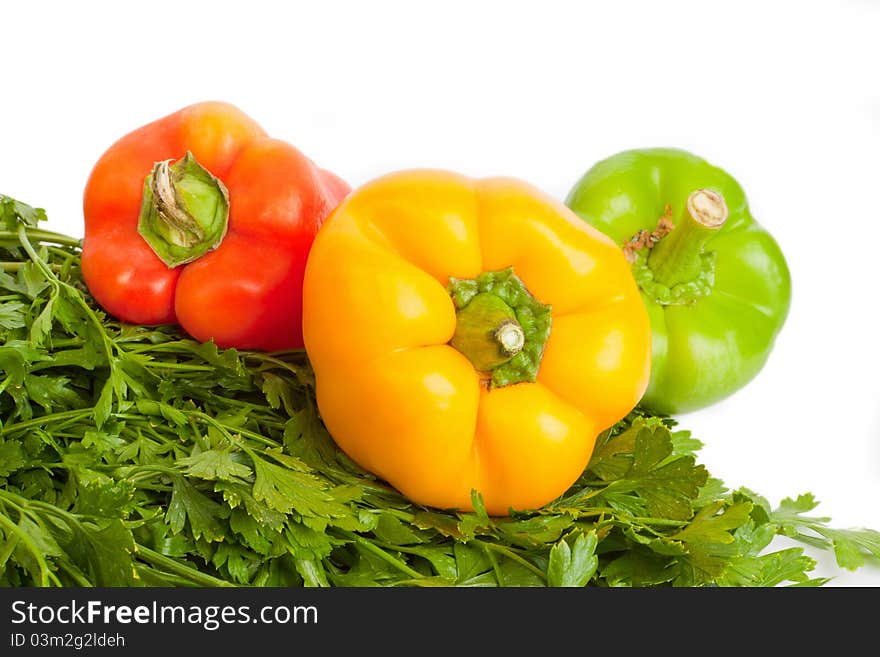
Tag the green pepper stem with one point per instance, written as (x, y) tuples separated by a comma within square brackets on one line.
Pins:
[(184, 211), (676, 258)]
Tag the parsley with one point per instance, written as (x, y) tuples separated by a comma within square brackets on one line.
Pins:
[(135, 456)]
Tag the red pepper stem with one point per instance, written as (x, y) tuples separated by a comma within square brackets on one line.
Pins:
[(676, 258), (184, 211)]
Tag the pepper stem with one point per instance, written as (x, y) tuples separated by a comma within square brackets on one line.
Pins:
[(510, 338), (500, 327), (184, 211), (677, 257), (486, 331)]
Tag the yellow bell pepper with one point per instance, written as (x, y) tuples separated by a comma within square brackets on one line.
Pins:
[(470, 335)]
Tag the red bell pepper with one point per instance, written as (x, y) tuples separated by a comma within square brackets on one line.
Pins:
[(202, 220)]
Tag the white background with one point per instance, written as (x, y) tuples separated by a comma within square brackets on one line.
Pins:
[(784, 95)]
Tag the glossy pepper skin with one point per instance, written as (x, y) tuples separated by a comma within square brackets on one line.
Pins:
[(405, 403), (244, 293), (717, 297)]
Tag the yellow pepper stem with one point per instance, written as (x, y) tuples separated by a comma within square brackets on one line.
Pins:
[(486, 331), (500, 327)]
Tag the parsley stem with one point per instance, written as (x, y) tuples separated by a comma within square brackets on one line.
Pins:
[(75, 413), (178, 568), (11, 528), (276, 357), (660, 522), (229, 431), (402, 515), (74, 293), (15, 266), (71, 258), (41, 264), (179, 346), (41, 236), (60, 343), (416, 551), (182, 367), (371, 546), (152, 576), (496, 568), (296, 370), (593, 511), (138, 472), (74, 573), (510, 554)]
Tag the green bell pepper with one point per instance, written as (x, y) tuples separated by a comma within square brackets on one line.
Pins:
[(716, 284)]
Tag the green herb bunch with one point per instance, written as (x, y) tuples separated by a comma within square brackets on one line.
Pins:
[(135, 456)]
